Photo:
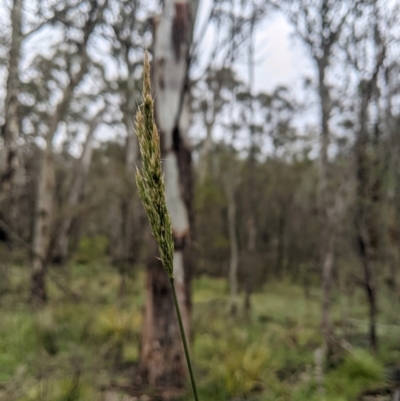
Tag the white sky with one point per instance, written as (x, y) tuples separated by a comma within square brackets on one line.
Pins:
[(280, 58)]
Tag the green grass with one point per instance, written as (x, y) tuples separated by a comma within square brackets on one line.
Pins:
[(80, 350)]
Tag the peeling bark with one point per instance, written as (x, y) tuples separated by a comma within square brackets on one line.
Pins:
[(162, 356)]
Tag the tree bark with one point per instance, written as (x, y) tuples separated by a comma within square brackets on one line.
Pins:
[(162, 353), (234, 251), (42, 228), (251, 224), (327, 268), (162, 357), (327, 235), (44, 197), (75, 192), (204, 162), (369, 188), (130, 219), (365, 220), (280, 271), (10, 167), (44, 203)]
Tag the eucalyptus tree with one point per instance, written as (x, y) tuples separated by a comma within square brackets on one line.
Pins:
[(210, 97), (228, 170), (367, 47), (51, 81), (23, 27), (162, 355), (128, 32), (253, 11), (10, 129), (70, 204), (213, 105), (390, 119), (319, 25)]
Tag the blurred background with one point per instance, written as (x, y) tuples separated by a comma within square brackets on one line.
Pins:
[(279, 126)]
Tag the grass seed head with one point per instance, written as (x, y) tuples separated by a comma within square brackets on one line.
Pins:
[(150, 180)]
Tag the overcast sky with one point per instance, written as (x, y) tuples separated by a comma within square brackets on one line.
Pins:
[(280, 58)]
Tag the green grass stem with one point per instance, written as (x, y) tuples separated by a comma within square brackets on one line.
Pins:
[(185, 346), (151, 187)]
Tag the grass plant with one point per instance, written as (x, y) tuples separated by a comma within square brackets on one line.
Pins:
[(151, 186)]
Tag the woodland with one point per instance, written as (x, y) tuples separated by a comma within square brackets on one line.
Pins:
[(284, 204)]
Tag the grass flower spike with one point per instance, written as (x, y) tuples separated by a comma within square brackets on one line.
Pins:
[(150, 182)]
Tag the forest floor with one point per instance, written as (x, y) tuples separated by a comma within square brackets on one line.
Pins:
[(85, 344)]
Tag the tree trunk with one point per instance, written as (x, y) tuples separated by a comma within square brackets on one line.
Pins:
[(233, 242), (128, 241), (327, 234), (367, 259), (42, 227), (130, 219), (251, 247), (327, 268), (204, 162), (9, 169), (281, 243), (251, 225), (44, 197), (162, 353), (365, 218), (77, 185)]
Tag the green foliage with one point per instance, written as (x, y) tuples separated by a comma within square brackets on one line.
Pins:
[(212, 242), (119, 331), (18, 341), (206, 288), (360, 370), (65, 389), (117, 324), (267, 359), (91, 249), (47, 330), (235, 366)]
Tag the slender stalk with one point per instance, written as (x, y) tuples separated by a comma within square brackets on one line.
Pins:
[(185, 346), (151, 187)]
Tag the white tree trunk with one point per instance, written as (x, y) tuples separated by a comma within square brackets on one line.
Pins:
[(76, 189), (44, 198), (11, 160), (170, 70), (42, 226), (170, 67)]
